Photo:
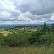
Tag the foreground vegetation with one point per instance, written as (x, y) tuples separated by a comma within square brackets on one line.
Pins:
[(27, 40), (27, 50)]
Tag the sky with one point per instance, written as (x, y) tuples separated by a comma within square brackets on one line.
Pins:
[(26, 11)]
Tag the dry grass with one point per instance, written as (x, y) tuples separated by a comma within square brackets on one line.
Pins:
[(27, 50), (5, 33)]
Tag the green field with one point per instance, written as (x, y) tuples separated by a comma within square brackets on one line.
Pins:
[(27, 50)]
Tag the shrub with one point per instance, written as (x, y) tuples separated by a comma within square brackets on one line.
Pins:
[(12, 40), (35, 37), (2, 40)]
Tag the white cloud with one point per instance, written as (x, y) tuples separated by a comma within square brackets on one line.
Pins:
[(4, 14), (29, 18), (6, 5), (52, 17), (26, 11)]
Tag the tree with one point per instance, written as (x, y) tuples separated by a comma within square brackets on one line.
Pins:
[(45, 28), (52, 27), (35, 38), (12, 40)]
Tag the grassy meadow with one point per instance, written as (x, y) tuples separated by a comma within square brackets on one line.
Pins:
[(27, 50)]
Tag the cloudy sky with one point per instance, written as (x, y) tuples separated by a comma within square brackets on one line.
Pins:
[(26, 11)]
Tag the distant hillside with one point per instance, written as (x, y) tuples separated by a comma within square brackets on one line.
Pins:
[(10, 25)]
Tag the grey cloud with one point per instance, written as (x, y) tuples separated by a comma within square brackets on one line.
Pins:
[(36, 6), (46, 15)]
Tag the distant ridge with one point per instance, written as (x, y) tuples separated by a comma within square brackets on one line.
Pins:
[(10, 25)]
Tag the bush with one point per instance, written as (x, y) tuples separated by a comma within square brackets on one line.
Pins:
[(2, 40), (12, 40), (18, 39), (35, 37)]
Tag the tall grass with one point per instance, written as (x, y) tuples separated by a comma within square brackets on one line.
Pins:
[(27, 50)]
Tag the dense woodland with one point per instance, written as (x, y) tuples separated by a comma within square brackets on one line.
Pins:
[(23, 37)]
